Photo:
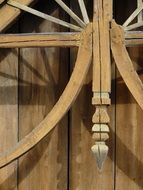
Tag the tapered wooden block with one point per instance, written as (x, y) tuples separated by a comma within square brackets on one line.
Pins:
[(102, 128), (100, 151), (101, 115), (100, 136)]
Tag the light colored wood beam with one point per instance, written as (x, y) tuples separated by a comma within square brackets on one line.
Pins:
[(140, 16), (71, 13), (134, 38), (9, 13), (134, 35), (134, 42), (134, 26), (133, 15), (43, 15), (83, 11), (40, 40)]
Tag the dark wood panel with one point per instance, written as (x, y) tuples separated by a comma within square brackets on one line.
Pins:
[(41, 81), (8, 113)]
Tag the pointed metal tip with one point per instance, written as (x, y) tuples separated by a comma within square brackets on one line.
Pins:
[(100, 151)]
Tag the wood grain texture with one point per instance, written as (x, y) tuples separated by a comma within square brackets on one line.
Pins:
[(129, 154), (62, 105), (9, 13), (8, 113), (40, 40), (83, 169), (134, 38), (124, 64), (101, 70), (41, 83), (43, 15)]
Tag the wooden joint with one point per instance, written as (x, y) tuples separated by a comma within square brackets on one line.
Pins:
[(101, 115), (102, 128), (100, 136), (101, 98)]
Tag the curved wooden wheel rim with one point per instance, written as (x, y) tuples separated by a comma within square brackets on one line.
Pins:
[(62, 106), (124, 63)]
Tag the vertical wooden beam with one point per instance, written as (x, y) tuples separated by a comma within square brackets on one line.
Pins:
[(82, 161), (101, 77)]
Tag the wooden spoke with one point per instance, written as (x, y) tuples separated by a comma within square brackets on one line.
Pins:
[(124, 64), (134, 42), (134, 38), (71, 13), (134, 35), (83, 11), (62, 106), (134, 26), (133, 15), (9, 13), (40, 40), (43, 15), (140, 16)]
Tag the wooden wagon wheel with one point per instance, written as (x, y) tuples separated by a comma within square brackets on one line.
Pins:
[(93, 40), (82, 39)]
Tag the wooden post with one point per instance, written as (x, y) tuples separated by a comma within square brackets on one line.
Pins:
[(101, 77)]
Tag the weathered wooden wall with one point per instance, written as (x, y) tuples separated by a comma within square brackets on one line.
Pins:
[(129, 119), (31, 80)]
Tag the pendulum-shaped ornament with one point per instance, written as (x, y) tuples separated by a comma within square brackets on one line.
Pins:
[(100, 149), (100, 131)]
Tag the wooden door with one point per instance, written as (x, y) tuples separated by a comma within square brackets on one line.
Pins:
[(31, 81)]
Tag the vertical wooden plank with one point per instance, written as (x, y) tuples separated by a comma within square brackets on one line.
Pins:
[(41, 83), (129, 120), (8, 113), (128, 135)]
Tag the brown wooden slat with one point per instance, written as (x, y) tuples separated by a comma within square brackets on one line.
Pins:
[(39, 40), (45, 167), (134, 42), (134, 35), (134, 38), (8, 113)]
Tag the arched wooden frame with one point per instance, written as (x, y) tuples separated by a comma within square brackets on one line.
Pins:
[(84, 42), (95, 39), (81, 39)]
